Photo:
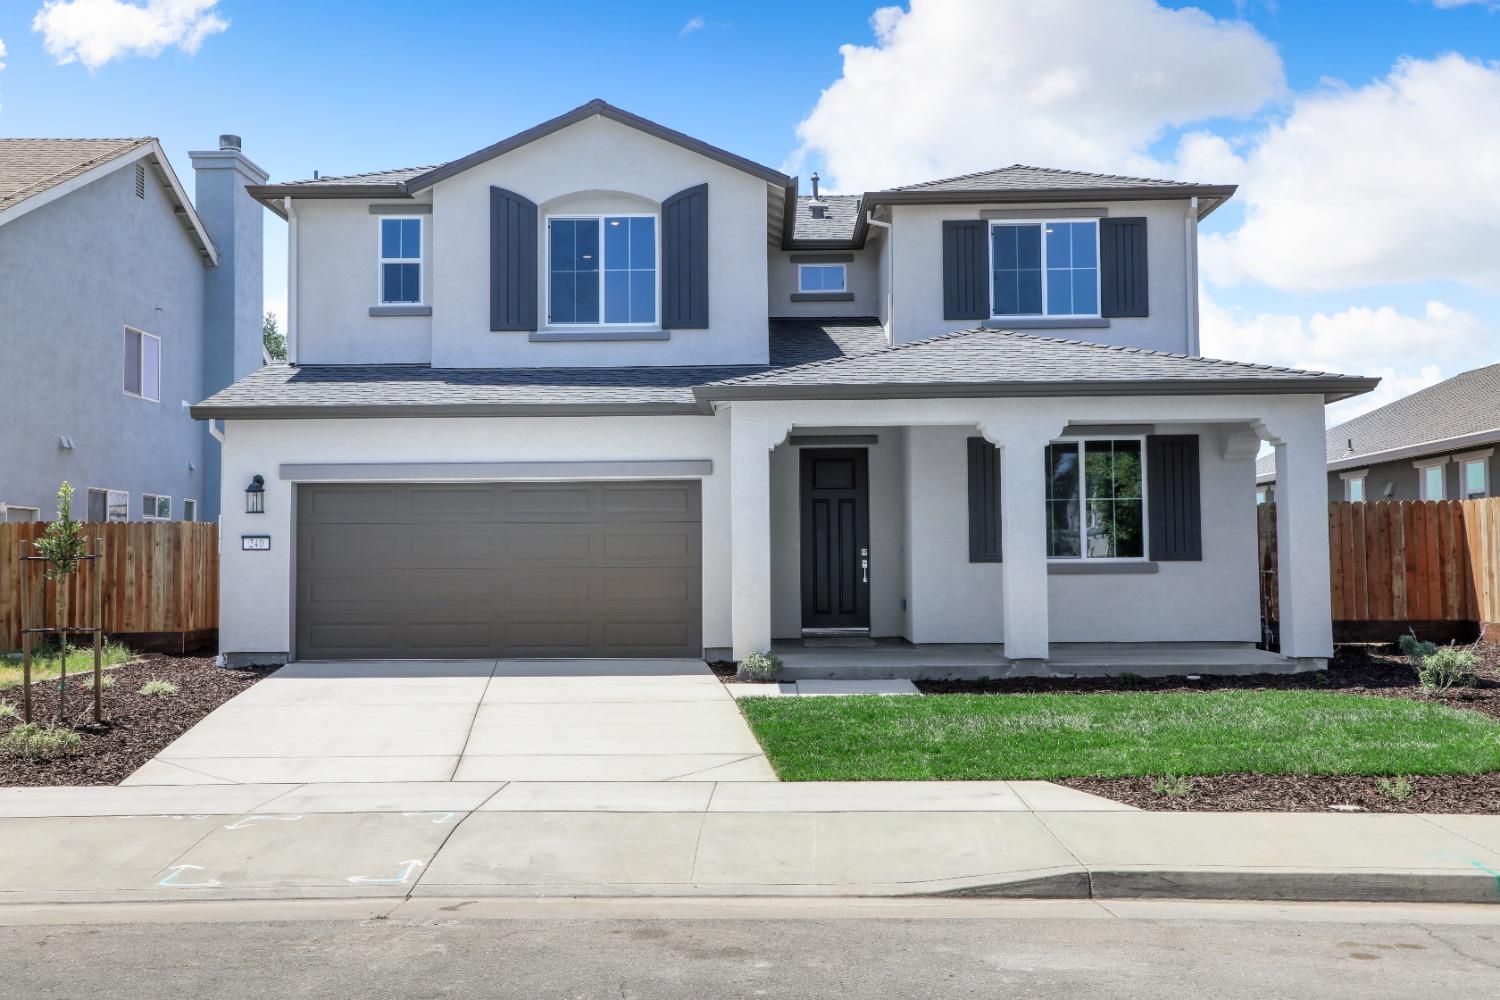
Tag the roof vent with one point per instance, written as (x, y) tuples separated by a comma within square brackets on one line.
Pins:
[(229, 142), (316, 176), (1349, 444), (818, 210), (815, 179)]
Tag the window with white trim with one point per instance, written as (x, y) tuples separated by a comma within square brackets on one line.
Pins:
[(190, 510), (1260, 497), (155, 507), (1354, 489), (14, 514), (601, 270), (108, 505), (821, 277), (1096, 507), (142, 365), (1432, 481), (1044, 268), (1475, 478), (400, 260)]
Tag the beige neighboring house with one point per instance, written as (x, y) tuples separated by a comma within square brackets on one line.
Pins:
[(602, 389)]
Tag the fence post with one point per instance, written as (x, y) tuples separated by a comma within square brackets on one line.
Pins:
[(98, 628), (25, 634)]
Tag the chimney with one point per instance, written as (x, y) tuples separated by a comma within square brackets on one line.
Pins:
[(816, 208)]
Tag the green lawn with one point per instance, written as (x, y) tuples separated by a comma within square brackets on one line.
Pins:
[(45, 665), (870, 738)]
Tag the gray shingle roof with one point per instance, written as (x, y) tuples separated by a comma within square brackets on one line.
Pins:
[(362, 180), (1020, 177), (837, 222), (1463, 406), (1003, 361), (30, 166), (363, 387)]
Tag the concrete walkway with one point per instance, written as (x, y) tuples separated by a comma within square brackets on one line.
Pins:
[(470, 720), (493, 839)]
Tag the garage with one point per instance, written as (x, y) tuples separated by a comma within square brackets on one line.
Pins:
[(517, 569)]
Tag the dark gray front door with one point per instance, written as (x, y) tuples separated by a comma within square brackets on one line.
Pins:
[(835, 538), (429, 570)]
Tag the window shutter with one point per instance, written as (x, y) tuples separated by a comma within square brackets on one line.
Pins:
[(684, 260), (1173, 499), (984, 501), (1123, 281), (966, 266), (513, 252)]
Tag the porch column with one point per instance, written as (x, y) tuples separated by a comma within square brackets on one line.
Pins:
[(1302, 581), (1022, 439), (751, 438)]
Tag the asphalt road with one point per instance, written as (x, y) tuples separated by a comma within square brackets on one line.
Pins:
[(1039, 952)]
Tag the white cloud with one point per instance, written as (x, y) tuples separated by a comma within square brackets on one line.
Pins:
[(95, 31), (1395, 181), (1450, 4), (695, 23), (1070, 83), (2, 55)]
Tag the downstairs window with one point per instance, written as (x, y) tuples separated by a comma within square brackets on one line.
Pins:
[(1095, 499)]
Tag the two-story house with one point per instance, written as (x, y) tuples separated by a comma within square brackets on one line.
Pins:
[(121, 303), (602, 389)]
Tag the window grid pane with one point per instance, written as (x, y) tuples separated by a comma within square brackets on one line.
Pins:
[(1016, 261), (574, 267), (629, 269), (1474, 480), (150, 368), (1072, 268), (132, 362), (1432, 482), (1357, 489), (1062, 501)]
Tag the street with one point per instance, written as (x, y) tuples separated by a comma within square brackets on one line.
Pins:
[(751, 948)]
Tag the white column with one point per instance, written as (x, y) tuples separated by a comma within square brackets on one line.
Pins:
[(1302, 534), (751, 438), (1022, 439)]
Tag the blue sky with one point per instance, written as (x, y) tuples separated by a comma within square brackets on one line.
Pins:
[(1338, 119)]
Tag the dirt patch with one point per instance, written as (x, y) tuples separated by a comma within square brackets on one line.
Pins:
[(135, 728)]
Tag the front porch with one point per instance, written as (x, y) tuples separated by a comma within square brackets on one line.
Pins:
[(898, 658)]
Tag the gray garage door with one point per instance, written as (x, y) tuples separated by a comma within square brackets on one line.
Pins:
[(413, 571)]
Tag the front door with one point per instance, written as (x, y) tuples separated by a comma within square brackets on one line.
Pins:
[(835, 539)]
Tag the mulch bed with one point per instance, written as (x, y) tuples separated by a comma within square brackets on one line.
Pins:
[(135, 727)]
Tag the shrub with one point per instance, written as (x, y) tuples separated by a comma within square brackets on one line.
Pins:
[(1174, 786), (1396, 789), (157, 688), (7, 710), (759, 665), (1444, 668), (1416, 648), (37, 742)]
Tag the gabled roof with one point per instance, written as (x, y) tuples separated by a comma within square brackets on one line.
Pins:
[(34, 172), (841, 213), (1461, 412), (1004, 363)]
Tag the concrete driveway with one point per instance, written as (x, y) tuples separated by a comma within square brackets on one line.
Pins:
[(470, 720)]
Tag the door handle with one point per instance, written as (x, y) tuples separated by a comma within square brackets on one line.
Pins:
[(864, 564)]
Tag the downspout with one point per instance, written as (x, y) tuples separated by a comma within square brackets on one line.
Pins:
[(890, 277), (291, 281), (1190, 229)]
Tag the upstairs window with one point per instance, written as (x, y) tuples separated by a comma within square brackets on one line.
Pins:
[(1433, 485), (602, 270), (1476, 478), (1045, 268), (1354, 489), (820, 277), (142, 365), (1095, 499), (108, 505), (400, 260), (155, 507)]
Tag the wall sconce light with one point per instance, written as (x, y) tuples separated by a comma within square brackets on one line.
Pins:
[(255, 495)]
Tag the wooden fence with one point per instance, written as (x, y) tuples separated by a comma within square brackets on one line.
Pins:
[(1429, 565), (161, 583)]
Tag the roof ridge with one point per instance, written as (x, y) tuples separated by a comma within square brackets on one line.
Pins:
[(369, 173), (1045, 170), (93, 161), (951, 335), (1126, 349)]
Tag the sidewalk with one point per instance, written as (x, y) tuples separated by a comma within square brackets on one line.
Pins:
[(492, 839)]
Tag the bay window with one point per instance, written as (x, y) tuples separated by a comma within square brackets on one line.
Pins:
[(1045, 268), (602, 270), (1095, 499)]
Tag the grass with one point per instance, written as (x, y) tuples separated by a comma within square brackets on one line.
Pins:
[(36, 741), (1043, 736), (45, 663), (157, 688)]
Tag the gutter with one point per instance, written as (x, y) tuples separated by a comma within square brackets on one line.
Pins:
[(291, 280), (398, 411), (890, 258)]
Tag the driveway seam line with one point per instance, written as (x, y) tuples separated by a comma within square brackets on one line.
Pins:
[(458, 762), (432, 858)]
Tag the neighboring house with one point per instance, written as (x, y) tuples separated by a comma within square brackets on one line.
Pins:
[(601, 389), (1436, 444), (120, 304)]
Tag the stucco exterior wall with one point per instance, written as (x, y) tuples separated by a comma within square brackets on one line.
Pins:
[(918, 276), (75, 272), (1400, 480), (256, 592), (888, 586), (861, 280)]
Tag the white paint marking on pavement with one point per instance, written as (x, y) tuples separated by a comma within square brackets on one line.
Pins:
[(171, 882), (241, 824), (407, 868), (441, 817)]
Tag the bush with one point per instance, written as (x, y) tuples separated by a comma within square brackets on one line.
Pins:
[(1175, 786), (157, 688), (1445, 668), (759, 665), (1397, 789), (1411, 646), (37, 742)]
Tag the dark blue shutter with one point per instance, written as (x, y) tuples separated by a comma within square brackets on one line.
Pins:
[(966, 269), (684, 260), (1173, 499), (513, 253), (1123, 279), (984, 501)]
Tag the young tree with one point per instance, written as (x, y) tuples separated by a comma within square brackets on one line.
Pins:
[(273, 338), (63, 546)]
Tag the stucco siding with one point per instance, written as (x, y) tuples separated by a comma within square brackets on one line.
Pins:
[(1401, 480), (918, 276), (861, 280), (76, 272)]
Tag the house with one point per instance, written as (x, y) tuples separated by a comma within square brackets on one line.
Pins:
[(602, 389), (1436, 444), (121, 302)]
